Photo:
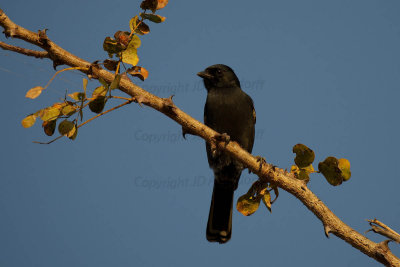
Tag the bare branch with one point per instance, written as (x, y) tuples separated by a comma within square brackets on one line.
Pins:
[(382, 229), (24, 51), (267, 172)]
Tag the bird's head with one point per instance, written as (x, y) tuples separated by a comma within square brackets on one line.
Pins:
[(219, 76)]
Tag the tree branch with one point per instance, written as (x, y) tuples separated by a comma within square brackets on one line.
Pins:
[(382, 229), (267, 172), (24, 51)]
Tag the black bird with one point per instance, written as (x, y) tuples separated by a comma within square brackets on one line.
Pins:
[(230, 111)]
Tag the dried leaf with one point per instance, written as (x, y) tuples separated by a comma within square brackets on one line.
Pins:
[(49, 127), (29, 121), (161, 4), (111, 65), (112, 47), (122, 37), (149, 4), (34, 92), (138, 72), (78, 96), (97, 105), (267, 200)]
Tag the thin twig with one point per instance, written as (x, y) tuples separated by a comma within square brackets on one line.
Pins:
[(382, 229), (107, 111), (24, 51)]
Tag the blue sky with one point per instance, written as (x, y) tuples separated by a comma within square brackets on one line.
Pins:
[(131, 192)]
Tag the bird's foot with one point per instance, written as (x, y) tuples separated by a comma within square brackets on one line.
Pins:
[(218, 138)]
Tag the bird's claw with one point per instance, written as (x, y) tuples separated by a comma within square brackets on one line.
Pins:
[(222, 138), (217, 139)]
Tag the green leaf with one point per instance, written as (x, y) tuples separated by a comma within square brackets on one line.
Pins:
[(330, 169), (103, 82), (29, 121), (247, 204), (304, 155), (97, 105), (133, 23), (67, 128), (152, 17), (129, 55), (49, 127), (50, 113), (115, 82), (135, 42)]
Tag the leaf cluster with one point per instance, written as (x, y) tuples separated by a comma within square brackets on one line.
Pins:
[(123, 46)]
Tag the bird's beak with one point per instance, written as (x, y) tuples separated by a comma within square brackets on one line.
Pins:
[(205, 75)]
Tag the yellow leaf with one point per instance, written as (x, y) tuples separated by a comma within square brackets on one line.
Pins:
[(99, 91), (267, 200), (247, 204), (34, 92), (344, 166), (50, 113), (68, 110), (29, 121), (85, 82), (78, 96)]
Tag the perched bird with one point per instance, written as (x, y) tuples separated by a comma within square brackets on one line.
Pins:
[(228, 110)]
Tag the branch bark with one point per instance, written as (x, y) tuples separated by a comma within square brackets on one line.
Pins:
[(266, 172)]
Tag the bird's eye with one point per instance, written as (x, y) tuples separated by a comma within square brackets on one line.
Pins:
[(219, 71)]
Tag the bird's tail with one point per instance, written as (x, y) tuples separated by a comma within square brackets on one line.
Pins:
[(219, 226)]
